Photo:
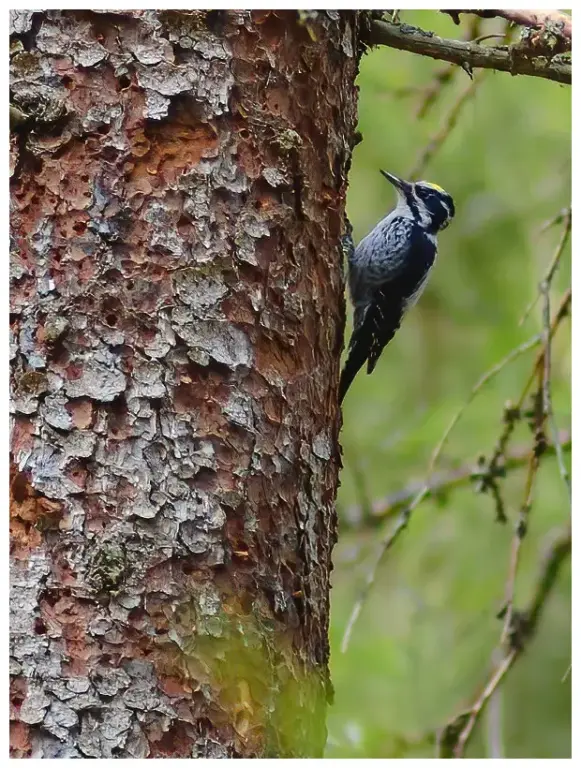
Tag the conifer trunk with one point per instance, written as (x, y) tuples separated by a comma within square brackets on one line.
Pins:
[(178, 192)]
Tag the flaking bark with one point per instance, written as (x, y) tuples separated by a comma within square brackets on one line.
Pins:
[(178, 192)]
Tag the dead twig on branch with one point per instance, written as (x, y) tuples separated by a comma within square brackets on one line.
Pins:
[(371, 515), (445, 76), (454, 738), (492, 468), (521, 528), (552, 21), (565, 216), (392, 535), (547, 394), (515, 59), (513, 412), (447, 127)]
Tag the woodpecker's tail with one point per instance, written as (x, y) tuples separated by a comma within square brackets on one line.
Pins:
[(356, 359)]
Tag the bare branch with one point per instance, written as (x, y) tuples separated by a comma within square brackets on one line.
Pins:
[(554, 263), (392, 535), (442, 483), (455, 736), (448, 125), (515, 59), (513, 412), (521, 528), (445, 75)]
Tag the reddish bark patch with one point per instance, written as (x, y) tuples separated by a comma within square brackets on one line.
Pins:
[(20, 746), (30, 513)]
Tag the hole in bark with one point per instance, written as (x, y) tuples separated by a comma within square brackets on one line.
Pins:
[(184, 221), (244, 134), (117, 415), (137, 614), (188, 568), (109, 154), (39, 627), (80, 227), (205, 479), (112, 276), (246, 602), (111, 319), (130, 285), (19, 488), (215, 21), (67, 81), (104, 129), (123, 81)]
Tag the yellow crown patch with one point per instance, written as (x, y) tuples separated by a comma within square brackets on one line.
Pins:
[(434, 186)]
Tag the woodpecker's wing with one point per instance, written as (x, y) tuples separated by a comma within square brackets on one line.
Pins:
[(377, 323)]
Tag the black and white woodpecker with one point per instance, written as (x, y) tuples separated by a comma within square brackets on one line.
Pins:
[(389, 269)]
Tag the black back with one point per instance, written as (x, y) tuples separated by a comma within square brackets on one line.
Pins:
[(386, 310)]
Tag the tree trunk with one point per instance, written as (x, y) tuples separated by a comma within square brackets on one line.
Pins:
[(177, 315)]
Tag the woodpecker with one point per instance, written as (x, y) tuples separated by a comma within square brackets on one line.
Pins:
[(389, 269)]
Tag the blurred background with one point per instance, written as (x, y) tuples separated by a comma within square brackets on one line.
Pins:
[(424, 644)]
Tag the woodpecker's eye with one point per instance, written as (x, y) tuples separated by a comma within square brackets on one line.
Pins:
[(425, 194)]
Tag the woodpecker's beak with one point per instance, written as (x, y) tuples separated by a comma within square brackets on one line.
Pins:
[(398, 183)]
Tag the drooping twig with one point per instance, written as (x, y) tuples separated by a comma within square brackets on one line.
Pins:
[(454, 738), (444, 76), (555, 220), (440, 80), (547, 394), (518, 627), (521, 528), (392, 535), (447, 127), (542, 412), (513, 411), (494, 719), (566, 217), (401, 524), (513, 58), (440, 484)]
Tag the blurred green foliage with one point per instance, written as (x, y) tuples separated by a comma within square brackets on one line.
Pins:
[(423, 644)]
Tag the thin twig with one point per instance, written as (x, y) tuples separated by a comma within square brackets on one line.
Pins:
[(560, 217), (547, 396), (448, 125), (513, 58), (445, 76), (553, 21), (441, 79), (521, 527), (554, 263), (454, 738), (482, 38), (513, 412), (366, 516), (389, 539), (494, 719)]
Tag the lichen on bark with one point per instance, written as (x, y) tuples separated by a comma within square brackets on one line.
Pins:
[(178, 192)]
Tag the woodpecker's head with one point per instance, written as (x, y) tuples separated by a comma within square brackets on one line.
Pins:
[(428, 203)]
